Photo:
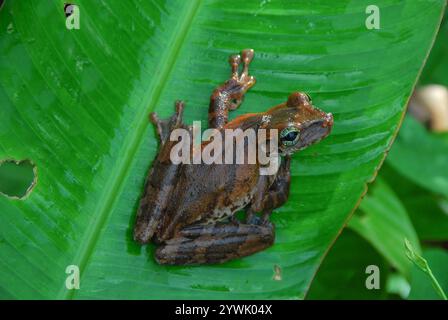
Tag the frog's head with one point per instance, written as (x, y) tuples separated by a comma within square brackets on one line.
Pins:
[(298, 122)]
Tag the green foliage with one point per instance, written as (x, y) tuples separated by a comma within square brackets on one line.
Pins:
[(436, 68), (383, 215), (427, 273), (384, 222), (76, 103), (416, 172), (343, 275), (428, 211), (421, 157)]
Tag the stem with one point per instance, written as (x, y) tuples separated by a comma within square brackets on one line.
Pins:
[(436, 285)]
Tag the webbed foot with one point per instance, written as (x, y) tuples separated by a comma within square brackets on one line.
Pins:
[(243, 79)]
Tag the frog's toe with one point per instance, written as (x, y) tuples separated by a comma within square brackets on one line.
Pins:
[(154, 118), (247, 56), (160, 125), (249, 82), (234, 61), (179, 107)]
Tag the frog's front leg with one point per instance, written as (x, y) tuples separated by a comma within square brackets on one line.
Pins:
[(215, 243), (230, 94), (274, 196)]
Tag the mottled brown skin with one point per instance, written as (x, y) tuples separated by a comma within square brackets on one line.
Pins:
[(188, 209)]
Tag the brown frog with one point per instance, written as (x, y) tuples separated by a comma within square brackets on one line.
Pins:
[(188, 209)]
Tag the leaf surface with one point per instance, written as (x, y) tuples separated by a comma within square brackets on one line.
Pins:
[(76, 102)]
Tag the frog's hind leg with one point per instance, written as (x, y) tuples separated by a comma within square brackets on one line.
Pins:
[(165, 126), (272, 198), (215, 243)]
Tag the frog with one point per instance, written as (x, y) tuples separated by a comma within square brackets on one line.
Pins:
[(189, 211)]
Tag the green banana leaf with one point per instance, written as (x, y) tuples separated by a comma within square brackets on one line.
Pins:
[(76, 103)]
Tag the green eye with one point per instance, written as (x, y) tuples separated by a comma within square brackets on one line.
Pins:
[(289, 136)]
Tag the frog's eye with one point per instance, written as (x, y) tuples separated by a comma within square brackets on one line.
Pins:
[(289, 136)]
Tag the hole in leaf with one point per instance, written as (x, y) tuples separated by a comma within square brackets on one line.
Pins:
[(17, 178)]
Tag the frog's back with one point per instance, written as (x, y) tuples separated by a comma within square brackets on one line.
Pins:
[(206, 193), (158, 188)]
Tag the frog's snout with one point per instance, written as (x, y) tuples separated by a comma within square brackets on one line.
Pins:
[(328, 121)]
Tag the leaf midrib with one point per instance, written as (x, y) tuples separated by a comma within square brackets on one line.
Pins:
[(132, 142)]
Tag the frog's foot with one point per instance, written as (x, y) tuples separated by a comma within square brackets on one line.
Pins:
[(165, 126), (235, 60), (230, 94), (215, 243), (243, 79)]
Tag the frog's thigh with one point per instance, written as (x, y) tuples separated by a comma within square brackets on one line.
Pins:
[(216, 243), (279, 191), (275, 196)]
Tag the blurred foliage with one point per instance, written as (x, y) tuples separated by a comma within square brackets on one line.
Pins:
[(428, 211), (343, 272), (436, 68), (423, 265), (384, 222), (409, 199), (421, 156), (421, 286)]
